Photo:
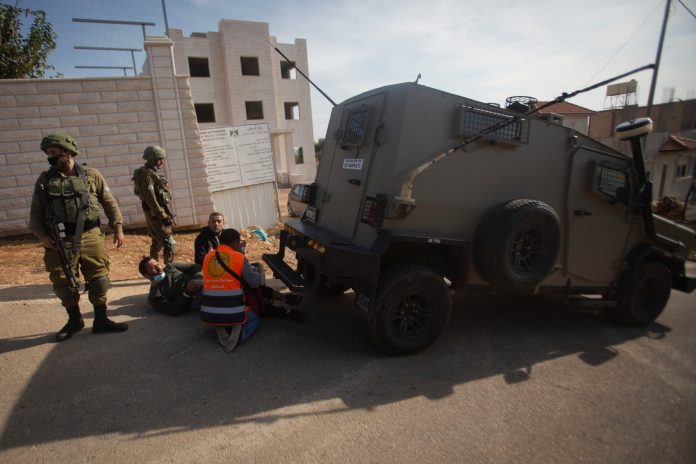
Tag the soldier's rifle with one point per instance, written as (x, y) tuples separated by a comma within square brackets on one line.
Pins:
[(170, 213), (57, 232)]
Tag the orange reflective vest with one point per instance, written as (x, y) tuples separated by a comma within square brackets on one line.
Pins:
[(223, 297)]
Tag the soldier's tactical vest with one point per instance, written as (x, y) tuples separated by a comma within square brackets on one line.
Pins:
[(223, 301), (63, 194), (162, 194)]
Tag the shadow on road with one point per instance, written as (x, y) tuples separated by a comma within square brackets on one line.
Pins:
[(13, 293), (167, 374)]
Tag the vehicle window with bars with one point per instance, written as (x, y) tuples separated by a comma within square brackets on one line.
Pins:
[(473, 120), (608, 180), (354, 130)]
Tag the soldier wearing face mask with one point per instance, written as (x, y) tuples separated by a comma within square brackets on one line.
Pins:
[(71, 195)]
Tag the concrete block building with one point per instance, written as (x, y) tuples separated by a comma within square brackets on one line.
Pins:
[(238, 78)]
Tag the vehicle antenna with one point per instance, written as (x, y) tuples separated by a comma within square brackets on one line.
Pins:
[(303, 74)]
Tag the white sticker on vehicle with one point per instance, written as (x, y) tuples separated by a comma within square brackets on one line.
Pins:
[(353, 163)]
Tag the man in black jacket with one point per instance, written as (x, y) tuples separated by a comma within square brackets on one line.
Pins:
[(209, 237), (175, 288)]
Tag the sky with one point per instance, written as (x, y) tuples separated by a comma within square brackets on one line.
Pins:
[(482, 49)]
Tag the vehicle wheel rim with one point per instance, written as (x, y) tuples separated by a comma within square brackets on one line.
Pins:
[(528, 249), (412, 317)]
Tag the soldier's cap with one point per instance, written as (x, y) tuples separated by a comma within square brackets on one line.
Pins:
[(62, 140), (154, 152)]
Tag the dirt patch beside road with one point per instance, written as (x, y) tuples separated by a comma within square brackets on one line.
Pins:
[(22, 257)]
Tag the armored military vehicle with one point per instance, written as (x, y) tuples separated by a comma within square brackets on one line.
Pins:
[(420, 193)]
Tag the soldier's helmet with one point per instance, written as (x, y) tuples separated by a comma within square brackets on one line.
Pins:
[(154, 152), (62, 140)]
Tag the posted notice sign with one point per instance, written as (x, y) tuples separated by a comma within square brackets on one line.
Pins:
[(237, 156)]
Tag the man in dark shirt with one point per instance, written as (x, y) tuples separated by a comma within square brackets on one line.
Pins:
[(209, 237), (175, 288)]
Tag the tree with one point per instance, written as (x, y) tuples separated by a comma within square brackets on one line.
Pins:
[(318, 145), (23, 55)]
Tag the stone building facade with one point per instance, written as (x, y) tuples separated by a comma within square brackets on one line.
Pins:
[(238, 78)]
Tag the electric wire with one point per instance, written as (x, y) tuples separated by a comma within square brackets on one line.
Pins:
[(625, 43), (687, 8)]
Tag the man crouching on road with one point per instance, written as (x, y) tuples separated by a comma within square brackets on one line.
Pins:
[(232, 296), (175, 288)]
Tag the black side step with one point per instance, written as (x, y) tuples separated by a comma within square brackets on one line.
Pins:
[(294, 281)]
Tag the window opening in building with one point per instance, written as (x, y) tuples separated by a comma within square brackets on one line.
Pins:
[(299, 155), (254, 109), (287, 70), (292, 110), (198, 67), (250, 66), (681, 170), (205, 112)]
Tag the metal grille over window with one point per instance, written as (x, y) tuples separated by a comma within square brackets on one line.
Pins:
[(356, 125), (608, 180), (472, 120)]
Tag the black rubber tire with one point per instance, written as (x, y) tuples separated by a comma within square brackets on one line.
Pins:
[(516, 244), (644, 298), (411, 310), (291, 213)]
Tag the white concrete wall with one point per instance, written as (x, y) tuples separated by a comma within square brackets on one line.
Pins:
[(580, 122), (113, 120), (674, 185)]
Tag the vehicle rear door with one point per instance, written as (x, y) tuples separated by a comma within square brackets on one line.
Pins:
[(599, 216), (339, 203)]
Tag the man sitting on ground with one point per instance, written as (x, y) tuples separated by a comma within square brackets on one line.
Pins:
[(175, 288), (209, 237)]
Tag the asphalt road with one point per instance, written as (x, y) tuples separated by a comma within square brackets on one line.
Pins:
[(509, 382)]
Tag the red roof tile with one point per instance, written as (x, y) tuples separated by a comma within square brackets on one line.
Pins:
[(674, 143), (564, 108)]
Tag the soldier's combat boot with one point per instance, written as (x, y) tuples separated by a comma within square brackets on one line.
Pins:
[(102, 324), (75, 324)]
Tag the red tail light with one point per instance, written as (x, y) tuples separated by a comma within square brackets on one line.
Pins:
[(373, 210), (309, 194)]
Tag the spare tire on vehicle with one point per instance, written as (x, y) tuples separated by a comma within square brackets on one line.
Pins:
[(516, 244)]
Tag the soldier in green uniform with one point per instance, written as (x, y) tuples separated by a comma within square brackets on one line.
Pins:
[(151, 187), (72, 194)]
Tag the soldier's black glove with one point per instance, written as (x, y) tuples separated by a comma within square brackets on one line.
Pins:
[(167, 221)]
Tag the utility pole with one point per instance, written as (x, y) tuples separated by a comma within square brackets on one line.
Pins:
[(651, 95), (166, 23)]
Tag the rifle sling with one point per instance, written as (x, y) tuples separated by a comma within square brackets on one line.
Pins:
[(80, 225)]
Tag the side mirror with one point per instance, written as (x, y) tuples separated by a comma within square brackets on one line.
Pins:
[(690, 206)]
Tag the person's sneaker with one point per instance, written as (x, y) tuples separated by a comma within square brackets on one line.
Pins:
[(233, 338), (293, 299), (73, 326)]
